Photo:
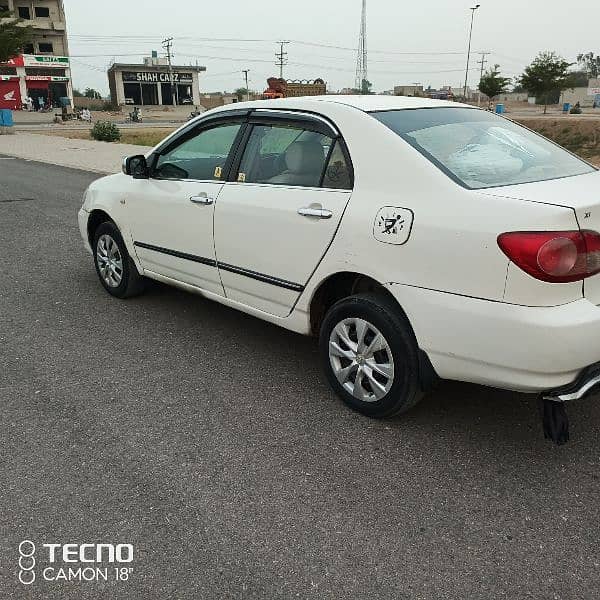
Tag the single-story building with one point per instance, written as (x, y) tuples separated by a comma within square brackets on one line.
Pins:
[(154, 83)]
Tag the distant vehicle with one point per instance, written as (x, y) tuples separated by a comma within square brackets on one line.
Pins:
[(282, 88), (418, 239), (129, 101), (186, 100)]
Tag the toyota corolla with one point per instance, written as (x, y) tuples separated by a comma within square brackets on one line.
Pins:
[(416, 239)]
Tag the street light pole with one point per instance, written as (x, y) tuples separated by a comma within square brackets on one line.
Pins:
[(472, 9)]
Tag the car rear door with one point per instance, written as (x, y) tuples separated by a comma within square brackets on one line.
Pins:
[(276, 217)]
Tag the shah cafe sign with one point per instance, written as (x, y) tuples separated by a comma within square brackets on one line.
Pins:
[(156, 77)]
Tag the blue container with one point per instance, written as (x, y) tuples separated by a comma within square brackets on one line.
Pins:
[(566, 107), (6, 118), (500, 109)]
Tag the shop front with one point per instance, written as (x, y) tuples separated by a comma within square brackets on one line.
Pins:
[(44, 79), (46, 91), (139, 85)]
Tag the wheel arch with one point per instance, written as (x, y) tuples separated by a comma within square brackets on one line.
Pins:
[(348, 283), (96, 218)]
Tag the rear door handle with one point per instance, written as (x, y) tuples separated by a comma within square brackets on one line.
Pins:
[(202, 199), (320, 213)]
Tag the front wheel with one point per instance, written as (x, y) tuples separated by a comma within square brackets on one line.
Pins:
[(369, 356), (116, 271)]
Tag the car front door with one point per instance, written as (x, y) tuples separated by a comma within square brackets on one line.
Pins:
[(277, 216), (171, 213)]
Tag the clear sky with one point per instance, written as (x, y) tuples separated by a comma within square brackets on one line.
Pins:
[(409, 41)]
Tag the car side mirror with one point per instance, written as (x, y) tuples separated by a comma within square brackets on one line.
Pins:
[(136, 166)]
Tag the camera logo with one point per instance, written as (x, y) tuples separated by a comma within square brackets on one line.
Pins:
[(26, 562)]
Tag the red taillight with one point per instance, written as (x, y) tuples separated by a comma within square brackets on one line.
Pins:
[(554, 256)]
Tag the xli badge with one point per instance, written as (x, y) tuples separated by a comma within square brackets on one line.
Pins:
[(393, 225)]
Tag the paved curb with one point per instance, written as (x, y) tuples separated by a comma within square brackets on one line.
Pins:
[(86, 155)]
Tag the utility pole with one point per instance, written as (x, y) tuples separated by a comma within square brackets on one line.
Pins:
[(167, 45), (245, 72), (481, 62), (282, 59), (472, 9)]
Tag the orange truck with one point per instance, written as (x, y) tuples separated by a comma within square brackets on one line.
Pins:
[(281, 88)]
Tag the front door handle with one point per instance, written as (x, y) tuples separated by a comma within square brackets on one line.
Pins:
[(320, 213), (202, 199)]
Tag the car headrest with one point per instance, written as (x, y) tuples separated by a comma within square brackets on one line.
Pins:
[(305, 157)]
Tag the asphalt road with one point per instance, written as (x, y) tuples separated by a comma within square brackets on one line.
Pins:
[(208, 440)]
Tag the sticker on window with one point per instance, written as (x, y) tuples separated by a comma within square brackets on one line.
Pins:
[(242, 177), (218, 172), (393, 225)]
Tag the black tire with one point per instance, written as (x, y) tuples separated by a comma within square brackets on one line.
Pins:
[(131, 282), (380, 312)]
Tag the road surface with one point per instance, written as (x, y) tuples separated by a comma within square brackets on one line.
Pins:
[(208, 440)]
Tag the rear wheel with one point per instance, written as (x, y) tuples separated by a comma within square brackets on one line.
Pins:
[(369, 356), (116, 271)]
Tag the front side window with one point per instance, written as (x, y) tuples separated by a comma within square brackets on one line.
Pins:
[(201, 157), (479, 149), (23, 12), (42, 12), (46, 47), (282, 155)]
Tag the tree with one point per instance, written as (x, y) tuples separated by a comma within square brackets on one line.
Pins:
[(92, 93), (241, 93), (547, 74), (590, 64), (365, 88), (77, 93), (13, 36), (492, 84)]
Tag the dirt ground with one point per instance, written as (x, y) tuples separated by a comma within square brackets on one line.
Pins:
[(579, 135)]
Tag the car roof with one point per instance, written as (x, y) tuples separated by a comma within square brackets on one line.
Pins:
[(365, 103)]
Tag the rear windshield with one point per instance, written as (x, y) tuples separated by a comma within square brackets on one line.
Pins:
[(478, 149)]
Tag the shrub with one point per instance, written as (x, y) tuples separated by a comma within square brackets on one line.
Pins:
[(105, 131)]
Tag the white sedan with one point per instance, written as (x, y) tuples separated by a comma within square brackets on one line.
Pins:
[(417, 239)]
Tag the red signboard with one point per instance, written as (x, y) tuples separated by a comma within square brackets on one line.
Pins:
[(16, 61), (10, 95)]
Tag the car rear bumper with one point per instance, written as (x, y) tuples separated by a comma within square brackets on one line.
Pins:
[(522, 348)]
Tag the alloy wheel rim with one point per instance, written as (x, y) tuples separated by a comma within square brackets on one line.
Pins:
[(361, 359), (110, 261)]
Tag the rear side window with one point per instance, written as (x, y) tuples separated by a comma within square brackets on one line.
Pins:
[(284, 155), (338, 174), (293, 156), (479, 149)]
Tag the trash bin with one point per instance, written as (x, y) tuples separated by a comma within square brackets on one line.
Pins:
[(499, 109), (6, 118), (566, 107)]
